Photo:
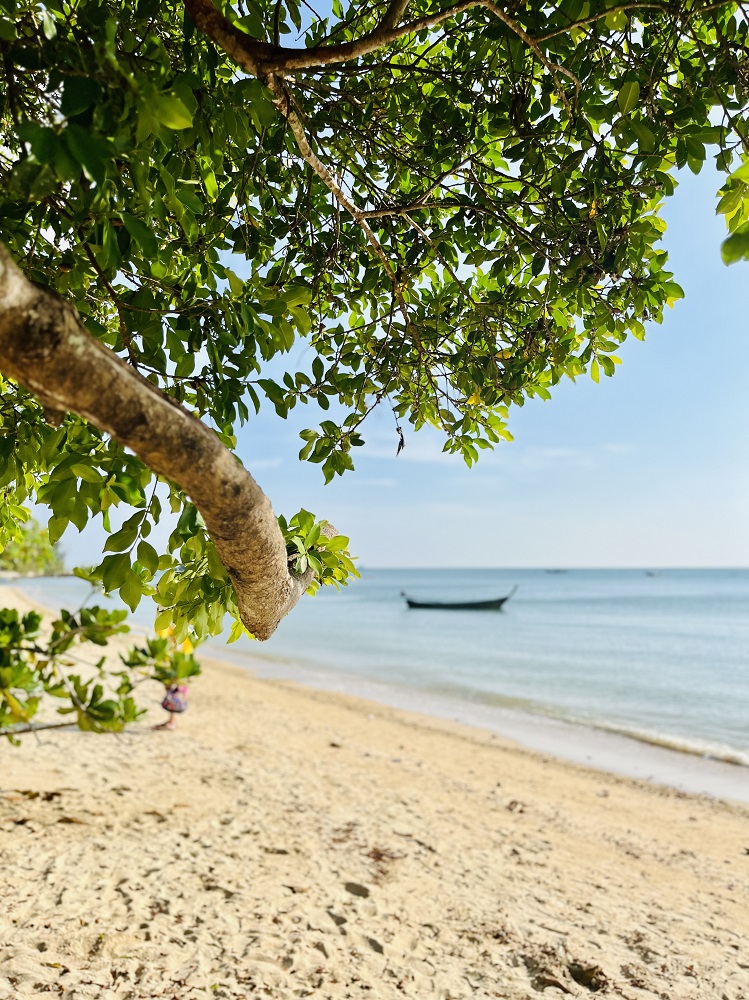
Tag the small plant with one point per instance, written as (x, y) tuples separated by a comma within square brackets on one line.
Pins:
[(34, 669), (163, 662)]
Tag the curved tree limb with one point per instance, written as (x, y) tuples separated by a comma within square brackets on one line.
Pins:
[(262, 59), (45, 347)]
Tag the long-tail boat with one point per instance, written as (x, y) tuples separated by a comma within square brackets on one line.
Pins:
[(493, 604)]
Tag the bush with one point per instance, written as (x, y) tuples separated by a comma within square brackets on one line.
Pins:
[(32, 553)]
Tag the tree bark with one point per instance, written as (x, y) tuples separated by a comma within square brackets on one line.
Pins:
[(262, 59), (45, 347)]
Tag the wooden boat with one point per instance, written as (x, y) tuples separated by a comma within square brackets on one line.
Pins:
[(491, 605)]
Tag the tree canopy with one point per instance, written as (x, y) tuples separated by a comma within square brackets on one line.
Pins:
[(456, 205)]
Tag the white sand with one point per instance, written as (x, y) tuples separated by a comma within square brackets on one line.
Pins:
[(290, 843)]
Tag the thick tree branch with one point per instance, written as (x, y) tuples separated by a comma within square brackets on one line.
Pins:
[(45, 347), (261, 59)]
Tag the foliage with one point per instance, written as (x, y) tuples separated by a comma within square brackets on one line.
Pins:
[(735, 206), (34, 667), (504, 177), (310, 548), (163, 661), (30, 551)]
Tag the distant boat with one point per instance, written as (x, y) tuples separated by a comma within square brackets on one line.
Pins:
[(491, 605)]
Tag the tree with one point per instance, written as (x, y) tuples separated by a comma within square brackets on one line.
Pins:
[(31, 553), (456, 204)]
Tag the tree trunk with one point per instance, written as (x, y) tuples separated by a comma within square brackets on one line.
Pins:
[(45, 347)]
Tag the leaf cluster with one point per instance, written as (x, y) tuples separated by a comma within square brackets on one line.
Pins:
[(311, 548), (35, 667)]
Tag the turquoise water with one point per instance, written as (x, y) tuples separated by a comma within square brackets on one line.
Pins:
[(663, 658)]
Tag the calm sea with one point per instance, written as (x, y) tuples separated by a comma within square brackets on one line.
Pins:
[(661, 657)]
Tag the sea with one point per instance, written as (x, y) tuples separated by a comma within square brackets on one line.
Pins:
[(595, 665)]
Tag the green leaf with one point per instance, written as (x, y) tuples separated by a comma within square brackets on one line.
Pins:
[(114, 570), (125, 537), (742, 174), (148, 556), (131, 590), (163, 620), (56, 527), (337, 543), (86, 152), (171, 111), (141, 233), (673, 292), (628, 96), (78, 94), (49, 25), (42, 139), (237, 631), (736, 247), (235, 282)]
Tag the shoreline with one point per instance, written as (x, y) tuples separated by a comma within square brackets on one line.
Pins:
[(600, 749)]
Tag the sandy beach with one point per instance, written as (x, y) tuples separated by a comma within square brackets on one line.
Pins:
[(286, 842)]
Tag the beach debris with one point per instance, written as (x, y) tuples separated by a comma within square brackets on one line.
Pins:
[(356, 889), (383, 858), (343, 833), (421, 843), (589, 976)]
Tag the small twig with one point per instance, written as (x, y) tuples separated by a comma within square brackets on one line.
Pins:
[(32, 727), (127, 340)]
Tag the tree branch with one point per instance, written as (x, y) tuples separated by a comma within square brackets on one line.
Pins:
[(45, 347), (393, 14), (225, 35), (262, 59)]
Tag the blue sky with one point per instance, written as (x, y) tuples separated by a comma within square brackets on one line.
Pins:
[(648, 468)]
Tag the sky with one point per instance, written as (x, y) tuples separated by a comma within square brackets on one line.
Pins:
[(646, 469)]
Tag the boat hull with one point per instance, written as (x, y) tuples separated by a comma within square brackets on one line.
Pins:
[(493, 605)]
